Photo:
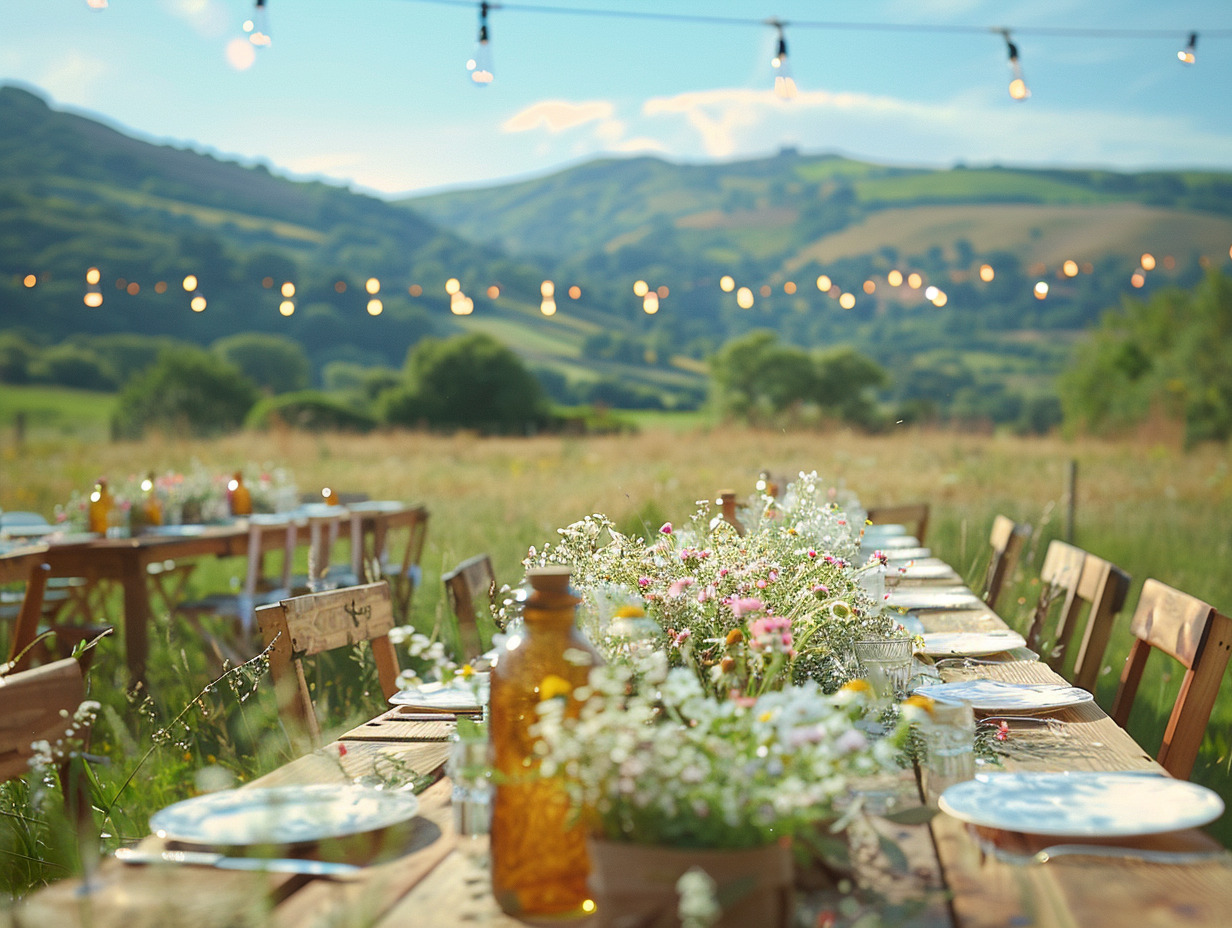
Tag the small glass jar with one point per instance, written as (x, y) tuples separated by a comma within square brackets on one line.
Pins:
[(470, 773), (949, 739)]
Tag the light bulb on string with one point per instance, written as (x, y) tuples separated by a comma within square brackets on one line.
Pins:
[(480, 64), (784, 84), (258, 27), (1188, 54), (1018, 85)]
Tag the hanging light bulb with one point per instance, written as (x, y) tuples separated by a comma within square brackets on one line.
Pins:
[(258, 27), (784, 84), (1187, 55), (97, 4), (1018, 86), (480, 63)]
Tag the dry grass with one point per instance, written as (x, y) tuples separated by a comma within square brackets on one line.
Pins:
[(1152, 509)]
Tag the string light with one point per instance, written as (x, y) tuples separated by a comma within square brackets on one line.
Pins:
[(258, 27), (784, 84), (1188, 54), (1018, 86), (97, 4), (480, 64)]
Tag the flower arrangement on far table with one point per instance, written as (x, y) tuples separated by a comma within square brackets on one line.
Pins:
[(706, 589)]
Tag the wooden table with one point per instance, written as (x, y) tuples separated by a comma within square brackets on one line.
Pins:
[(956, 883), (127, 561)]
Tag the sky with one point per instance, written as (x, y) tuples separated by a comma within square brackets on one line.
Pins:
[(375, 95)]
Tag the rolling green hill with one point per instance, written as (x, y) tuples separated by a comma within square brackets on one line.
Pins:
[(77, 194)]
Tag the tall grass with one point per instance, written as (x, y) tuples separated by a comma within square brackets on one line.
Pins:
[(1153, 510)]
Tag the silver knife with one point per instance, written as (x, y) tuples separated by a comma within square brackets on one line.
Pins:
[(130, 855)]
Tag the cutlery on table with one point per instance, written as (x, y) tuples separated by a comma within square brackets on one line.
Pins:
[(1106, 851), (301, 865)]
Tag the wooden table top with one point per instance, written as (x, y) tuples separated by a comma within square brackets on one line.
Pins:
[(951, 880)]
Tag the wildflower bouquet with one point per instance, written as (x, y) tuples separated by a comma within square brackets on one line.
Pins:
[(655, 759), (749, 612)]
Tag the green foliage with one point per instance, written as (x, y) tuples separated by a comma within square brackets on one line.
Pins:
[(311, 411), (188, 391), (1164, 357), (273, 362), (758, 378), (16, 358), (73, 366), (471, 381), (129, 353)]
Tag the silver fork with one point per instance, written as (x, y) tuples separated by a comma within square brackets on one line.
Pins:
[(1108, 852)]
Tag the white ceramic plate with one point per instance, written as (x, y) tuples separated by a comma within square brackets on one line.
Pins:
[(998, 696), (1082, 804), (898, 555), (970, 644), (282, 815), (439, 696), (955, 598), (887, 542), (926, 572)]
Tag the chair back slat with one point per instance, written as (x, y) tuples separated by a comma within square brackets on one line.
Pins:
[(304, 626), (470, 583), (1006, 539), (913, 516), (1106, 587), (30, 705), (1193, 633)]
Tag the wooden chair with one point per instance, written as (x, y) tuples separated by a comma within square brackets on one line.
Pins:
[(1006, 540), (30, 643), (32, 707), (1077, 580), (261, 585), (1192, 632), (303, 626), (470, 583), (913, 516), (392, 551)]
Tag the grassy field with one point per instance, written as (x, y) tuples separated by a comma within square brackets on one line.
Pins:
[(1154, 511)]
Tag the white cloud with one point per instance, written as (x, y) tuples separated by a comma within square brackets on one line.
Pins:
[(557, 115), (73, 76), (208, 18)]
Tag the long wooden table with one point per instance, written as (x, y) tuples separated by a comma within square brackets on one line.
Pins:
[(953, 879), (127, 561)]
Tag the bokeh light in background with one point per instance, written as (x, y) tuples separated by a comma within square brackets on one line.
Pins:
[(1148, 262), (286, 307), (870, 286), (847, 301), (575, 292), (640, 287), (190, 283), (744, 298), (824, 283), (93, 276), (987, 273), (493, 292), (548, 307), (452, 286), (1041, 290), (1070, 268), (895, 278), (93, 299), (726, 283), (29, 281), (914, 280), (288, 289), (373, 286), (198, 303), (375, 307), (650, 303)]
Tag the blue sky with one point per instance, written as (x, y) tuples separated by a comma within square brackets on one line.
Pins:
[(374, 93)]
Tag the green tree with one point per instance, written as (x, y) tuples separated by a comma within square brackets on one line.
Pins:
[(471, 381), (273, 362), (71, 365), (16, 357), (1167, 356), (188, 391), (757, 377)]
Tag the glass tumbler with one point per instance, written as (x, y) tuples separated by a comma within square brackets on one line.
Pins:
[(949, 739), (886, 663), (470, 772)]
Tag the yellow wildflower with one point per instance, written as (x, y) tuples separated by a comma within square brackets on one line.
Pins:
[(552, 686)]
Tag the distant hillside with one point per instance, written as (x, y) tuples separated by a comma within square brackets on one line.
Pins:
[(76, 194)]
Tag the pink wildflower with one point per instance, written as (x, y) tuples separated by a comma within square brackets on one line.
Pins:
[(665, 528), (679, 586), (745, 605)]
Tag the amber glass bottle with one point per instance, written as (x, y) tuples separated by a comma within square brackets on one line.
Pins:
[(539, 860), (101, 502), (241, 497)]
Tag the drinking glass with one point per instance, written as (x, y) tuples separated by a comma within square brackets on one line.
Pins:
[(949, 739), (470, 772), (886, 663)]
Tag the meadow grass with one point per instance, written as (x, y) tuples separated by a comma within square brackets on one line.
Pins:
[(1152, 509)]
